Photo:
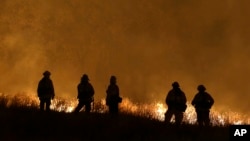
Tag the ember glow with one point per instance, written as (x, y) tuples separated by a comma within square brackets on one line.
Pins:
[(155, 110)]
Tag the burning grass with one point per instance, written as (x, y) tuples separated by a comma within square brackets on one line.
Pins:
[(153, 110), (20, 119)]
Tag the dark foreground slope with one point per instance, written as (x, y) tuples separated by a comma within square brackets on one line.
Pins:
[(33, 125)]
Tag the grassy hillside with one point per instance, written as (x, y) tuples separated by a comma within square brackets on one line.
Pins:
[(20, 119), (30, 124)]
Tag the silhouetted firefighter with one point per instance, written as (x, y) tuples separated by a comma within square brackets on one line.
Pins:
[(113, 98), (176, 101), (85, 94), (45, 91), (202, 102)]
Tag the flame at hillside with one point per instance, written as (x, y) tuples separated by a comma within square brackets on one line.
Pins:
[(154, 110)]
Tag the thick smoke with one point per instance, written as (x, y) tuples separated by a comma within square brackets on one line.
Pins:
[(147, 44)]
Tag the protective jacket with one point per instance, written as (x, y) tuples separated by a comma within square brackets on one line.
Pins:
[(203, 101), (113, 94), (176, 100), (45, 88), (85, 92)]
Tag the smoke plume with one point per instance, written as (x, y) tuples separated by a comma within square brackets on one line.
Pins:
[(147, 44)]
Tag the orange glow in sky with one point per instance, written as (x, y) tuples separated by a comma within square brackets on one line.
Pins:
[(146, 44)]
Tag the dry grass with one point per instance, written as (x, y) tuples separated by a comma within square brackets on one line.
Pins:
[(34, 125), (20, 121)]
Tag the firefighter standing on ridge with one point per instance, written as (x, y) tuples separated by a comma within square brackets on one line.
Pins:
[(85, 94), (113, 98), (45, 91), (176, 101), (202, 102)]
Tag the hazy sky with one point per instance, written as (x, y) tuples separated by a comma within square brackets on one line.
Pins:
[(147, 44)]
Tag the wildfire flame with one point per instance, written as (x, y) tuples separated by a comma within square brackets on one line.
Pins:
[(155, 110)]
